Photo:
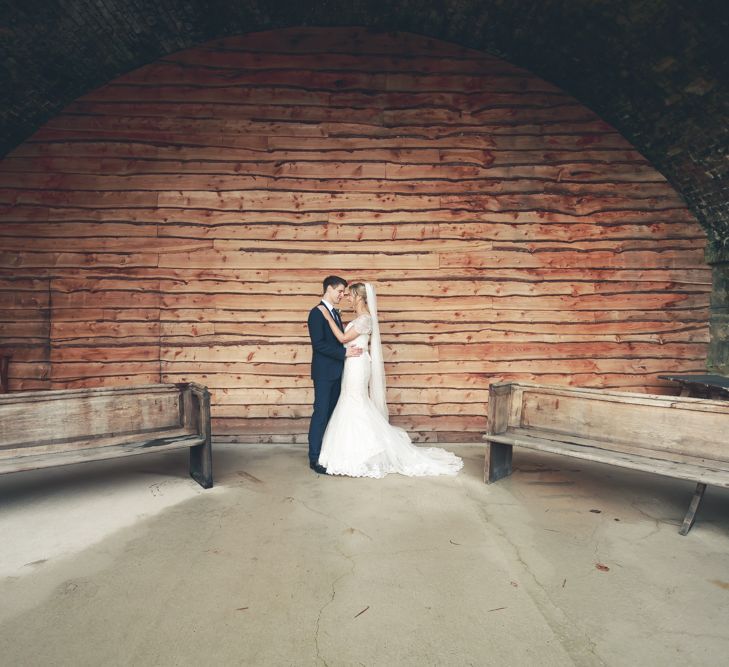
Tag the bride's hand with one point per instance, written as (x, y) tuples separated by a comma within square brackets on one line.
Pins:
[(326, 313)]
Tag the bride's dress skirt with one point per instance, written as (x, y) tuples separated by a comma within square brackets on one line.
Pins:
[(360, 442)]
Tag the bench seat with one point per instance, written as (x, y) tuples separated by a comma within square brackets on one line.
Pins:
[(44, 429), (715, 473), (679, 437), (130, 446)]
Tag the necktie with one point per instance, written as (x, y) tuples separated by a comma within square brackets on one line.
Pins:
[(337, 319)]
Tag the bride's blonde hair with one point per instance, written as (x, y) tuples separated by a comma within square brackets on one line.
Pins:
[(360, 290)]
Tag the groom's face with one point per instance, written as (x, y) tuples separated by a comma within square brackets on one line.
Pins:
[(335, 293)]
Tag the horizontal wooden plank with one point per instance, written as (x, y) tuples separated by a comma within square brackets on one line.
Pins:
[(576, 350), (105, 245), (427, 115), (11, 300), (104, 237), (101, 314), (305, 396), (423, 331), (24, 329), (556, 258), (403, 231), (474, 148), (98, 381), (84, 417), (32, 260), (341, 179), (321, 118), (16, 384), (273, 200), (55, 459), (33, 212), (683, 470), (276, 260), (400, 164), (283, 425), (218, 378), (196, 336), (61, 331), (300, 304), (85, 443), (304, 411), (308, 280), (481, 315), (570, 354), (503, 285), (28, 350), (92, 352), (494, 367), (272, 353)]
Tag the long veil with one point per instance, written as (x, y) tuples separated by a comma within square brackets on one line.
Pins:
[(377, 376)]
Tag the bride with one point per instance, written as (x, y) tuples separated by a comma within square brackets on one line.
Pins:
[(359, 440)]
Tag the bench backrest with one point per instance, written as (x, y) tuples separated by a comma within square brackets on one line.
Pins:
[(96, 417), (677, 426)]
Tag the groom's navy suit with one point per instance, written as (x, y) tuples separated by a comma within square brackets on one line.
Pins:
[(327, 364)]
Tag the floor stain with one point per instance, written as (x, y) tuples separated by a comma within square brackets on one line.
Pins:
[(248, 476), (539, 483), (720, 583)]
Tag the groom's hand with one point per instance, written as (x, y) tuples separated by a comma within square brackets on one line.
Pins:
[(354, 351)]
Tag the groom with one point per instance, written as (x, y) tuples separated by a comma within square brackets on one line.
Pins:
[(327, 364)]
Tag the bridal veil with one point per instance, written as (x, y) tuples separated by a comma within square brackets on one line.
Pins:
[(377, 377)]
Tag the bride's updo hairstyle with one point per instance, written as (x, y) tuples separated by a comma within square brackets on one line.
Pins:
[(360, 290)]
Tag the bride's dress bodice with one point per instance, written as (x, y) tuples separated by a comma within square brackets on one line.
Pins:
[(363, 326), (357, 370)]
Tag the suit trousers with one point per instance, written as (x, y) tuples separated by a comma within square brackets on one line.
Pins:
[(326, 395)]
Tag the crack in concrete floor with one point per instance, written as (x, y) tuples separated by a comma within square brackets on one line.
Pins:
[(575, 643)]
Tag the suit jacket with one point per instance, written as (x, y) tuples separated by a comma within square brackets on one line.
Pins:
[(327, 358)]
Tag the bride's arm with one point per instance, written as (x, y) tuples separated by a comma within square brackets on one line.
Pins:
[(345, 337)]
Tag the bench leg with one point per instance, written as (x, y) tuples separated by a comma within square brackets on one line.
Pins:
[(201, 465), (690, 517), (497, 463)]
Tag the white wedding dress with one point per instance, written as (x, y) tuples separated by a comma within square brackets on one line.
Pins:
[(360, 441)]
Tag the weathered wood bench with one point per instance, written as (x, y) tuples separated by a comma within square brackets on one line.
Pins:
[(685, 438), (41, 429)]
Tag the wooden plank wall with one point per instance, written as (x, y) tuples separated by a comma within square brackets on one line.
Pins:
[(176, 223)]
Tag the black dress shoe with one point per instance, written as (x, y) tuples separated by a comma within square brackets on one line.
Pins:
[(318, 468)]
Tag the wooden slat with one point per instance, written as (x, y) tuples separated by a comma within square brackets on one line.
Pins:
[(54, 459), (74, 415), (60, 445), (681, 470), (688, 428)]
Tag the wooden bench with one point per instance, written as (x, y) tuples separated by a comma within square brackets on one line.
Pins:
[(41, 429), (678, 437)]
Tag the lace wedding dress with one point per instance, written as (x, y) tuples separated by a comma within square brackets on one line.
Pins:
[(360, 441)]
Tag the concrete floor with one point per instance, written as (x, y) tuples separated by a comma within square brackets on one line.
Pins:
[(129, 562)]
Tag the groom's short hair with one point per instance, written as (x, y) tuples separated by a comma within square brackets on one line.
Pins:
[(332, 281)]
